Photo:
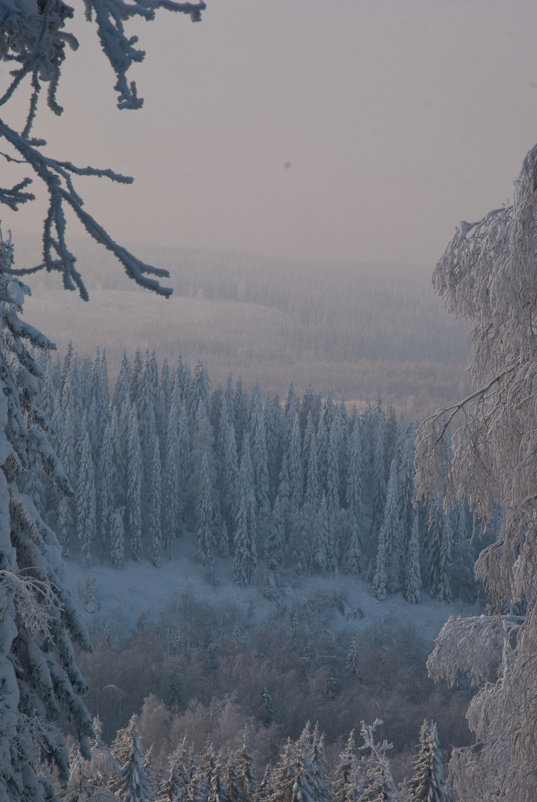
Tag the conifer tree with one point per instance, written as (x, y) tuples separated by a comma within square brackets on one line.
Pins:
[(86, 501), (122, 391), (323, 551), (106, 486), (231, 779), (171, 500), (427, 782), (392, 532), (132, 784), (294, 464), (379, 585), (412, 588), (378, 491), (38, 674), (155, 522), (217, 791), (312, 483), (229, 473), (134, 487), (173, 786), (66, 506), (100, 395), (346, 787), (245, 549), (438, 552), (355, 482), (245, 769), (320, 780), (274, 544), (205, 534), (117, 538), (274, 432)]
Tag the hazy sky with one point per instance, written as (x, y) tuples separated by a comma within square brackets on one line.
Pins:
[(314, 129)]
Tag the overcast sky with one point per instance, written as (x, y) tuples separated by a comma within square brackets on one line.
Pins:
[(359, 130)]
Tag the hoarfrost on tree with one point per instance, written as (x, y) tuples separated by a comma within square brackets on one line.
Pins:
[(484, 448)]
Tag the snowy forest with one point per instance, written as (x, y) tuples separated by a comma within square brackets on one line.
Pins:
[(303, 486), (316, 545)]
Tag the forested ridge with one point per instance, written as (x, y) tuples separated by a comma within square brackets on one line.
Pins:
[(355, 329)]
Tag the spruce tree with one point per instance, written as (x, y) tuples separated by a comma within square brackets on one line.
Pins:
[(171, 502), (392, 527), (106, 487), (438, 549), (134, 487), (412, 588), (117, 538), (155, 521), (427, 782), (86, 501), (132, 784), (205, 533), (38, 674), (345, 787), (245, 550)]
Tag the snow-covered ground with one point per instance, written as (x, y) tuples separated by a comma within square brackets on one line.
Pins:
[(138, 590)]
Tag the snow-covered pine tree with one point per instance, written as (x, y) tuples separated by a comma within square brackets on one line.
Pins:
[(354, 500), (378, 490), (66, 507), (171, 499), (320, 781), (117, 538), (295, 468), (86, 501), (292, 779), (106, 487), (379, 584), (412, 587), (134, 486), (323, 549), (38, 674), (427, 782), (393, 531), (231, 780), (174, 783), (121, 394), (274, 433), (245, 769), (258, 443), (229, 474), (346, 786), (155, 520), (438, 552), (217, 786), (205, 533), (132, 783), (274, 544), (245, 550)]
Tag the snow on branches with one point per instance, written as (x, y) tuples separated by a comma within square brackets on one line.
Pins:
[(33, 38)]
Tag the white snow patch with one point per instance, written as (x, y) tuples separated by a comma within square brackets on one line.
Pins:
[(124, 596)]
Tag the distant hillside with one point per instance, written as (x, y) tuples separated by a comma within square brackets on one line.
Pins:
[(355, 330)]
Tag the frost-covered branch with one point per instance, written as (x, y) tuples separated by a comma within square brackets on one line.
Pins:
[(475, 647), (118, 47), (487, 274), (33, 38)]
